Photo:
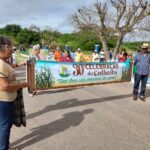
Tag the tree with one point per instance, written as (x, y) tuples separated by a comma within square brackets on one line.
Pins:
[(114, 18), (47, 36), (27, 37), (12, 29), (130, 17), (93, 19)]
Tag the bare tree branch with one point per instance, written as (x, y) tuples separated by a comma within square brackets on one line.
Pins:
[(129, 16)]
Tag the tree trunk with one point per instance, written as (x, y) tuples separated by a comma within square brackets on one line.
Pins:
[(105, 47), (118, 44)]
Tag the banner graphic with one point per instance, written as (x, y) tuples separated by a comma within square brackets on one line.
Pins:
[(59, 74)]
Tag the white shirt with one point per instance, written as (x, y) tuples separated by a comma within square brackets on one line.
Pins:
[(95, 57), (102, 54), (14, 58)]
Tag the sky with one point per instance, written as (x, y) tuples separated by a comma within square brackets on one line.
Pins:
[(51, 13), (45, 13)]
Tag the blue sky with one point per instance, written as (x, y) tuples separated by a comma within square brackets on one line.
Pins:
[(43, 13)]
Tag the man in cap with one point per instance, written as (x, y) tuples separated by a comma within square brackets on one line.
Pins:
[(79, 55), (142, 64)]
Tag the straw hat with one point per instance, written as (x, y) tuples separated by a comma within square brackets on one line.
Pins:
[(145, 45)]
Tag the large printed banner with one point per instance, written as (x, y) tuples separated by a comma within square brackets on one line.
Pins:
[(47, 75)]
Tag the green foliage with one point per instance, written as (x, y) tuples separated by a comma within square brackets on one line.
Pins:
[(112, 42), (12, 29), (85, 39), (27, 37), (24, 52), (48, 36), (131, 46), (124, 74), (73, 44), (44, 78)]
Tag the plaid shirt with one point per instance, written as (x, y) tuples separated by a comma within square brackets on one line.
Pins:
[(142, 64)]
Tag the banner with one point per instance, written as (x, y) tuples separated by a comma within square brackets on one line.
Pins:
[(47, 75)]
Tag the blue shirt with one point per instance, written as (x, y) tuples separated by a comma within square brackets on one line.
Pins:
[(73, 55), (142, 64)]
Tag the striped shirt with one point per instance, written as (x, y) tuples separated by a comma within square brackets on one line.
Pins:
[(142, 64)]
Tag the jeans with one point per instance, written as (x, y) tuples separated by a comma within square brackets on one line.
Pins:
[(101, 59), (6, 120), (137, 79)]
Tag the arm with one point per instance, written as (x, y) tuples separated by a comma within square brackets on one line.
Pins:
[(18, 65), (134, 64), (135, 59), (10, 87)]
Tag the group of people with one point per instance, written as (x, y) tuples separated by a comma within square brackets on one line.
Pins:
[(122, 56), (58, 55), (77, 56), (9, 85), (65, 56), (98, 56)]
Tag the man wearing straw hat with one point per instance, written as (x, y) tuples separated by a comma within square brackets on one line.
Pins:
[(142, 64)]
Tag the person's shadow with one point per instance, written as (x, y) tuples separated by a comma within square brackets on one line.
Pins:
[(50, 129), (75, 103)]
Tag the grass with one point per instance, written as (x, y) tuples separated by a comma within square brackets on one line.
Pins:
[(44, 78), (21, 56)]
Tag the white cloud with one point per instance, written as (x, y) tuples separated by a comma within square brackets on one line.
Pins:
[(52, 13), (42, 13)]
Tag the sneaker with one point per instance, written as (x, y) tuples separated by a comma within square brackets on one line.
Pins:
[(135, 97), (142, 98)]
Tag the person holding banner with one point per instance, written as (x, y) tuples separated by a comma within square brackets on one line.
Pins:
[(142, 64), (36, 52), (8, 92)]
